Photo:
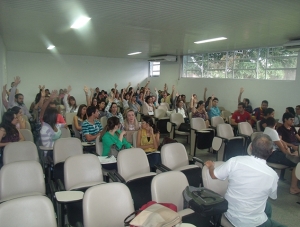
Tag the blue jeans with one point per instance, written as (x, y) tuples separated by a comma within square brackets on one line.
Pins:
[(270, 222)]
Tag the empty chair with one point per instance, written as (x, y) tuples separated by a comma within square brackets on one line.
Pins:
[(161, 119), (20, 151), (163, 107), (27, 134), (230, 146), (107, 205), (173, 127), (225, 114), (216, 120), (254, 134), (20, 179), (167, 188), (69, 118), (174, 157), (134, 171), (165, 104), (216, 185), (245, 130), (30, 211), (258, 128)]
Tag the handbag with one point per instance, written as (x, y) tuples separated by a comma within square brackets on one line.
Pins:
[(154, 214), (114, 150)]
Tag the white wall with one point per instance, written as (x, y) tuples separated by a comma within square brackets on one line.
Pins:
[(59, 71), (280, 94), (3, 73)]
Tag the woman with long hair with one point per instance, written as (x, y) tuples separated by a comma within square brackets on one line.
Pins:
[(148, 139), (130, 123), (80, 117), (101, 108), (112, 110), (199, 111), (19, 113)]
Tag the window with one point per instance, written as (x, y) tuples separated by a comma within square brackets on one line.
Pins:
[(154, 68), (274, 63)]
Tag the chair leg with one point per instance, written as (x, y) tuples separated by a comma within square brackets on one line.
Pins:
[(282, 172)]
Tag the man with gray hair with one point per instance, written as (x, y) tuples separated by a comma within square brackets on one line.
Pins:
[(250, 182)]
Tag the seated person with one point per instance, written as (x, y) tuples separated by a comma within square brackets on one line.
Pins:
[(112, 110), (148, 106), (212, 108), (134, 105), (297, 116), (269, 112), (148, 140), (18, 112), (166, 98), (241, 115), (199, 111), (258, 113), (113, 136), (91, 127), (248, 107), (131, 124), (287, 110), (247, 203), (288, 133), (281, 153), (70, 102), (179, 109), (79, 117)]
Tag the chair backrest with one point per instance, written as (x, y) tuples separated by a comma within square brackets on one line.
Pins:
[(258, 128), (226, 114), (216, 185), (66, 147), (27, 134), (165, 104), (27, 125), (65, 133), (163, 107), (129, 136), (245, 128), (107, 205), (176, 118), (20, 151), (76, 132), (25, 117), (216, 120), (69, 118), (160, 113), (167, 187), (198, 123), (225, 130), (81, 171), (19, 179), (254, 134), (221, 108), (134, 138), (103, 121), (132, 162), (30, 211), (99, 146), (173, 155)]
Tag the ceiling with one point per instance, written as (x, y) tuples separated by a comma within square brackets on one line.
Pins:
[(157, 27)]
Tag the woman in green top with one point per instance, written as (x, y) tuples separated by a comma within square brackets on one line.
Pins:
[(114, 136)]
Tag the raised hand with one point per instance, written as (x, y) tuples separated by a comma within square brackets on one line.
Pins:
[(43, 93), (177, 94), (242, 90), (69, 89), (4, 90), (91, 90), (116, 85), (54, 94), (129, 84), (40, 87), (205, 89), (110, 99), (155, 89), (43, 87), (212, 97), (17, 80), (86, 89), (173, 87)]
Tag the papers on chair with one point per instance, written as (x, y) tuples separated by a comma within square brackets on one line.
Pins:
[(107, 159)]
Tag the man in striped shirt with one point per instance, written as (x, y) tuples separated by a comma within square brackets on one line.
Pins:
[(91, 127)]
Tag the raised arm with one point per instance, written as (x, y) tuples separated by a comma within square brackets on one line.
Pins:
[(146, 86), (11, 100), (42, 98), (173, 89), (65, 100), (204, 94), (86, 92), (126, 89), (210, 102), (91, 96), (240, 95), (53, 95), (4, 101), (165, 87), (192, 105)]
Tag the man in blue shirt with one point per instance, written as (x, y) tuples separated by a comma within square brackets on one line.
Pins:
[(212, 108)]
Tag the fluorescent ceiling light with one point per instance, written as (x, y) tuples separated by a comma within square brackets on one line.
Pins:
[(135, 53), (50, 47), (210, 40), (81, 21)]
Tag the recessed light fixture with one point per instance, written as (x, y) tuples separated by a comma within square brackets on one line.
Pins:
[(50, 47), (134, 53), (210, 40), (81, 21)]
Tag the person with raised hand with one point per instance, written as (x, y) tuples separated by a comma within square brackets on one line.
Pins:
[(248, 107), (212, 108), (70, 102)]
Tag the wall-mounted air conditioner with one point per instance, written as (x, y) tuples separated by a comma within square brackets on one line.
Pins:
[(293, 45), (170, 58)]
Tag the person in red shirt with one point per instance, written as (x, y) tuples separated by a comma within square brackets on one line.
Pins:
[(240, 115)]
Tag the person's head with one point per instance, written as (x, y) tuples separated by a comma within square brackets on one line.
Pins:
[(92, 111), (147, 122), (81, 113), (113, 123), (72, 101), (288, 119), (246, 101), (179, 104), (61, 91), (10, 119), (153, 99), (200, 105), (97, 90), (52, 105), (215, 101), (290, 110), (264, 104), (262, 146), (271, 122), (113, 108), (141, 95), (133, 99), (17, 111), (241, 107), (101, 105), (117, 95), (130, 116), (269, 112), (127, 96), (50, 116), (183, 98), (148, 99), (47, 92), (94, 102), (19, 98), (12, 84), (298, 110), (164, 94)]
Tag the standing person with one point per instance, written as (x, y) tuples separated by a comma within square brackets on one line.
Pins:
[(248, 107), (18, 99), (246, 194), (212, 108), (91, 127)]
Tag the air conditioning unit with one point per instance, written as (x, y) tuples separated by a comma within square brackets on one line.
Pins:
[(292, 45), (170, 58)]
